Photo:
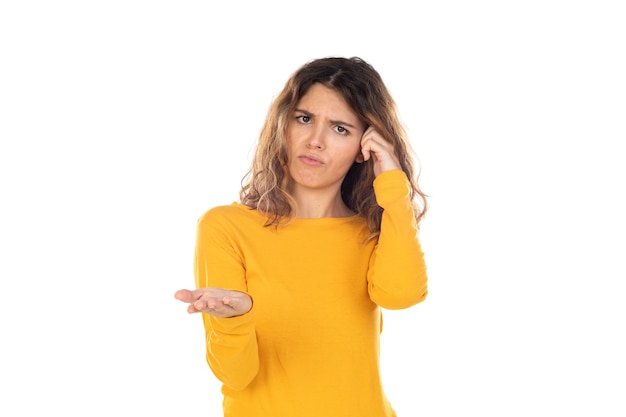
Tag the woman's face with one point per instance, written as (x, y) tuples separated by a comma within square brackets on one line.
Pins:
[(323, 140)]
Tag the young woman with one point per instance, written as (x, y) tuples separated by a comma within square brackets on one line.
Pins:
[(290, 281)]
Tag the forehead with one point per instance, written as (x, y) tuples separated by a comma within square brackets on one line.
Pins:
[(321, 97)]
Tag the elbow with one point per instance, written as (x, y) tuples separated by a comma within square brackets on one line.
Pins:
[(239, 378), (241, 383), (420, 298), (401, 301), (402, 295)]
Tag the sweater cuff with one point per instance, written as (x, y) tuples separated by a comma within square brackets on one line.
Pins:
[(233, 325), (391, 186)]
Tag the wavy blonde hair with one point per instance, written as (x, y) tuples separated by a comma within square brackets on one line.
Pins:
[(264, 185)]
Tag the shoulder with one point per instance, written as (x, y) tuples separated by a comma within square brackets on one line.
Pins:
[(234, 213)]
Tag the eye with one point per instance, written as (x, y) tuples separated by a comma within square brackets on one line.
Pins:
[(304, 119), (342, 130)]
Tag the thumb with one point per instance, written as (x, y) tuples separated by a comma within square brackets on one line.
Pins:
[(241, 304), (232, 301)]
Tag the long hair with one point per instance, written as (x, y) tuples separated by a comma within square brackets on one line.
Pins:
[(264, 185)]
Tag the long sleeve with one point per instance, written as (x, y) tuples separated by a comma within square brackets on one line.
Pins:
[(311, 342), (232, 352), (397, 272)]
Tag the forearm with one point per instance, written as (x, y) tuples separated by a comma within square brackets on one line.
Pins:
[(397, 274), (232, 351)]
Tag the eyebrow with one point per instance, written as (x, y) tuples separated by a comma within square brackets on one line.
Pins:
[(338, 122)]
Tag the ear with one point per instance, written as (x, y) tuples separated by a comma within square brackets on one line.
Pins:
[(359, 158)]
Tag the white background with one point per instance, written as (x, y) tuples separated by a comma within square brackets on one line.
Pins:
[(121, 122)]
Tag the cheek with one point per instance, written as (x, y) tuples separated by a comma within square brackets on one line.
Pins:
[(350, 154), (289, 139), (354, 149)]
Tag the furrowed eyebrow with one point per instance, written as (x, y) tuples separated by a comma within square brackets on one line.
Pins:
[(337, 122), (308, 113)]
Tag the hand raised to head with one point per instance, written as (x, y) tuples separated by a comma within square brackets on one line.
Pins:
[(373, 145), (215, 301)]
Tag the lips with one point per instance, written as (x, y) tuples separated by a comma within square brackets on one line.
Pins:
[(311, 160)]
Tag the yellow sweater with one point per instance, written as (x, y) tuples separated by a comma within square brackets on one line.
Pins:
[(309, 347)]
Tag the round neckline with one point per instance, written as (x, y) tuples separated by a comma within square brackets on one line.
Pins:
[(346, 219)]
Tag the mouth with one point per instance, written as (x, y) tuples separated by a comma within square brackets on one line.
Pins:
[(311, 160)]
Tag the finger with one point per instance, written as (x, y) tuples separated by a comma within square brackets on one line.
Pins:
[(191, 309), (368, 131), (203, 304), (377, 146), (229, 301), (370, 150), (368, 142), (184, 295), (366, 149), (366, 154)]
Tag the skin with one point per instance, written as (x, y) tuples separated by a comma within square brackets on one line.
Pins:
[(323, 141), (324, 138)]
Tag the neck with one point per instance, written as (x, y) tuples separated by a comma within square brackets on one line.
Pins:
[(315, 204)]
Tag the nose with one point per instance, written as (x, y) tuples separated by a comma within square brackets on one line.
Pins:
[(316, 140)]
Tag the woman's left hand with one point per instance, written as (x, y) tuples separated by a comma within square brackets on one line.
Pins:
[(374, 146), (217, 302)]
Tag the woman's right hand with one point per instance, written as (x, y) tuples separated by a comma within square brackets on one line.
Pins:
[(215, 301)]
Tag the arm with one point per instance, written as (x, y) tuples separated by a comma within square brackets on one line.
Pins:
[(397, 273), (232, 352)]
